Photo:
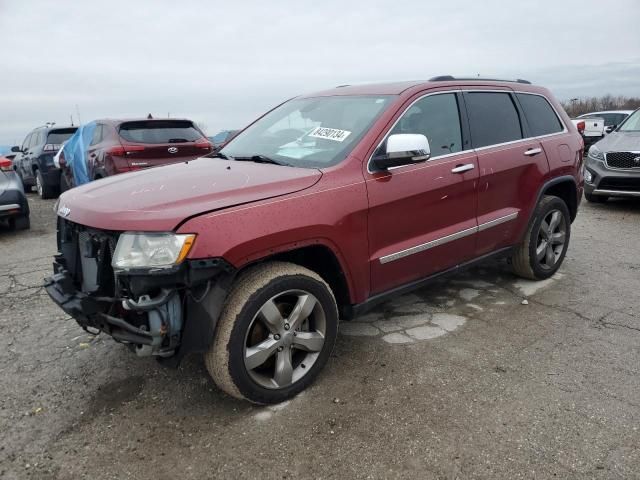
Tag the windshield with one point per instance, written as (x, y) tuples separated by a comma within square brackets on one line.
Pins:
[(310, 132), (632, 123)]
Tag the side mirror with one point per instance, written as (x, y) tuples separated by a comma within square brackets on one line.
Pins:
[(15, 149), (403, 149), (610, 128)]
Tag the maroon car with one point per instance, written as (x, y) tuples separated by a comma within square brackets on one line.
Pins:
[(327, 205), (118, 146)]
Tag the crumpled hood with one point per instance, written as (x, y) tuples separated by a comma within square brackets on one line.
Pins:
[(620, 142), (160, 198)]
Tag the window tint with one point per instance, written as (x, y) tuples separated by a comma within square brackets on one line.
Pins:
[(493, 118), (540, 116), (58, 137), (97, 135), (159, 131), (27, 141), (613, 118), (435, 117), (37, 138)]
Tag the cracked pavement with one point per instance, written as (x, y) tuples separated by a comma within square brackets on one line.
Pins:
[(486, 387)]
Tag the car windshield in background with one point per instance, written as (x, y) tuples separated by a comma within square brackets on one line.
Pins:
[(58, 137), (159, 131), (310, 132), (632, 123)]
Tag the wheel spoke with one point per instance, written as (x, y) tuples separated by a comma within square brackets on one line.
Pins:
[(284, 368), (271, 316), (303, 308), (550, 259), (541, 250), (544, 229), (260, 353), (308, 341), (555, 220), (558, 238)]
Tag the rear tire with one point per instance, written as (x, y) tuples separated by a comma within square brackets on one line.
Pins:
[(596, 198), (64, 185), (546, 241), (20, 223), (282, 313), (44, 190)]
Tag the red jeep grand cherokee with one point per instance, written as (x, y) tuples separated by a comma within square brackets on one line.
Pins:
[(328, 204)]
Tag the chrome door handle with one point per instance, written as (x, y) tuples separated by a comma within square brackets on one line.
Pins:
[(463, 168), (533, 151)]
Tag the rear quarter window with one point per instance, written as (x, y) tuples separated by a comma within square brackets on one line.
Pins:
[(159, 131), (493, 118), (541, 117)]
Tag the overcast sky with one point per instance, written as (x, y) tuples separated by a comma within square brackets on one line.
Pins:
[(224, 63)]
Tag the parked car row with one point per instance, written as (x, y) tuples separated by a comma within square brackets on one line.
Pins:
[(54, 159), (594, 126)]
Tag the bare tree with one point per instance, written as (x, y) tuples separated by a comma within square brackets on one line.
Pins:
[(579, 106)]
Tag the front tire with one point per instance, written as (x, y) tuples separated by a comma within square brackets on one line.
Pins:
[(546, 242), (275, 333), (596, 198)]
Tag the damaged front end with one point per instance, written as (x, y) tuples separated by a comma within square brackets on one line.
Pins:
[(166, 312)]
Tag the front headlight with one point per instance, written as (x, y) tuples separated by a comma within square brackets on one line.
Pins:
[(596, 154), (151, 250)]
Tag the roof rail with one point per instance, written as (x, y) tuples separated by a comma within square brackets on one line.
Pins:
[(342, 86), (449, 78)]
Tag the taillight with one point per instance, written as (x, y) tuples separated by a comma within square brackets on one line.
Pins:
[(204, 144), (122, 150), (6, 165), (51, 147), (580, 126)]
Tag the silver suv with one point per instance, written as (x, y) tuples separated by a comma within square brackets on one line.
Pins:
[(613, 164)]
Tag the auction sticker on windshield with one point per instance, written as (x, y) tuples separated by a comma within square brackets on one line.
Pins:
[(329, 134)]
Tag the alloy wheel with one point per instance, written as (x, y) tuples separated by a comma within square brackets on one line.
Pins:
[(284, 339), (38, 185), (551, 239)]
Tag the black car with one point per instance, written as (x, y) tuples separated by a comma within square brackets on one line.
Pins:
[(14, 208), (34, 162)]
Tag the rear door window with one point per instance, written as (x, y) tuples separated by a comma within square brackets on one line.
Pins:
[(541, 117), (493, 118), (159, 131)]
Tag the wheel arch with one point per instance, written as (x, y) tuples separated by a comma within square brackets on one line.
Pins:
[(322, 259), (564, 188)]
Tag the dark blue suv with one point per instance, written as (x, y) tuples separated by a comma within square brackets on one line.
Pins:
[(34, 161)]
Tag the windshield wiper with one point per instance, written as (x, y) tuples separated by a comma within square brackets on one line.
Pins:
[(218, 155), (261, 159)]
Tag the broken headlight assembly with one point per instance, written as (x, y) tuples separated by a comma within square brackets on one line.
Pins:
[(151, 250)]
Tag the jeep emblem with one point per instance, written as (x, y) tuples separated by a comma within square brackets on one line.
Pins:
[(64, 211), (172, 149)]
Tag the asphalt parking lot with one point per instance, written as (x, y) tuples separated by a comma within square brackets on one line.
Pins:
[(460, 380)]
